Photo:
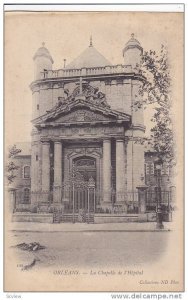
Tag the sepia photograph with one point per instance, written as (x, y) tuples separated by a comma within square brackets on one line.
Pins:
[(94, 157)]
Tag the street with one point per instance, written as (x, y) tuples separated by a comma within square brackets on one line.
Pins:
[(90, 249)]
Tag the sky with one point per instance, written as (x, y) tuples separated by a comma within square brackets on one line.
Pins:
[(66, 35)]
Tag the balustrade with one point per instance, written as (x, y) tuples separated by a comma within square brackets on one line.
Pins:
[(86, 71)]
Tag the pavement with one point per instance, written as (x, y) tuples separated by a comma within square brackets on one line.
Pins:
[(84, 227)]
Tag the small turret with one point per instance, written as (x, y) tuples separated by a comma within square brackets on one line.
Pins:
[(43, 61), (132, 52)]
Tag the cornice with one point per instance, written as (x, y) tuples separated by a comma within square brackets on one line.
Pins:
[(103, 77)]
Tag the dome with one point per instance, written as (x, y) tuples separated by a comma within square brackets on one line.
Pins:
[(89, 58), (43, 51), (132, 43)]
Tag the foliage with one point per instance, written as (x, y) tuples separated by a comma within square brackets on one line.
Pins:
[(156, 91), (11, 166)]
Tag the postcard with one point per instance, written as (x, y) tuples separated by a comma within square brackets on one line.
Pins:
[(94, 140)]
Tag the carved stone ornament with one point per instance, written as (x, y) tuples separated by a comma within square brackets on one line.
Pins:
[(90, 94), (82, 115), (90, 106), (84, 151)]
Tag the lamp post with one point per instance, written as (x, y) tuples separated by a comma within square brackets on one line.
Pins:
[(158, 166)]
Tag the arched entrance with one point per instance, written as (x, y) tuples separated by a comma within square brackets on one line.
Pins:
[(86, 166), (84, 194)]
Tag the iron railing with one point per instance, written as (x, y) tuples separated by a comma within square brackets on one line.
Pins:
[(75, 199)]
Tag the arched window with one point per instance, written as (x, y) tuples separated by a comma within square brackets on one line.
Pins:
[(26, 198), (85, 168), (26, 172)]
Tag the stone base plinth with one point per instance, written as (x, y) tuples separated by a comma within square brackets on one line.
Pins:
[(30, 217), (119, 218)]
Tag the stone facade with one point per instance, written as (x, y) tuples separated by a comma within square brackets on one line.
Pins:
[(85, 117)]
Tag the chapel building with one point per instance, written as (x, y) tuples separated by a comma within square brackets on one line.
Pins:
[(85, 122)]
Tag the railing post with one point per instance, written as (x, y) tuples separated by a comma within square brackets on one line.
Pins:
[(91, 185), (94, 199), (142, 198), (73, 213), (88, 206)]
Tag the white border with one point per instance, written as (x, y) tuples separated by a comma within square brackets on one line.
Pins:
[(175, 7), (103, 7)]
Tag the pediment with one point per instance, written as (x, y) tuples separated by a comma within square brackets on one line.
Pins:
[(81, 112), (86, 104), (82, 115)]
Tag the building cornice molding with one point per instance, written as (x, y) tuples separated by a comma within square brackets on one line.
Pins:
[(49, 82), (132, 47), (138, 127)]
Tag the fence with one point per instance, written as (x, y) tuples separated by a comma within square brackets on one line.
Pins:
[(74, 200), (152, 203)]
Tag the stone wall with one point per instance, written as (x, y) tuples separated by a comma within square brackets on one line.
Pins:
[(29, 217)]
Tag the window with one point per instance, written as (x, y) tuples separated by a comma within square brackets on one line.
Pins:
[(37, 106), (26, 172), (37, 158), (149, 168), (45, 73), (26, 198), (165, 169)]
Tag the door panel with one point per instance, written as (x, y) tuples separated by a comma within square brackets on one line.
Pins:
[(86, 166)]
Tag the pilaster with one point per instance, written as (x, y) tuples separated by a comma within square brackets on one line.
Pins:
[(57, 171), (106, 171), (120, 170), (46, 167)]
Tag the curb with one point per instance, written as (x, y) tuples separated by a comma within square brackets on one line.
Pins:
[(94, 230)]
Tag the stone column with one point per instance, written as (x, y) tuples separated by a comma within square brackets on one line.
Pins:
[(45, 170), (120, 170), (106, 171), (57, 171)]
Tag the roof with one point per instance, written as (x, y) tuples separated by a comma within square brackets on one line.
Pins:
[(43, 51), (89, 58), (132, 43), (25, 147)]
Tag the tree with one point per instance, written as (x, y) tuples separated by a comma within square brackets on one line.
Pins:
[(12, 167), (156, 91)]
